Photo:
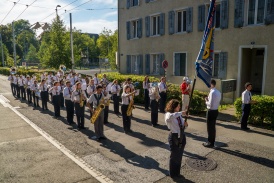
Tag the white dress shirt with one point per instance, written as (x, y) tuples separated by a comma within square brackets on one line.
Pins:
[(145, 85), (55, 90), (20, 82), (115, 89), (76, 95), (67, 93), (214, 99), (172, 121), (246, 97), (162, 87), (43, 87), (92, 99), (91, 89), (96, 81), (126, 98)]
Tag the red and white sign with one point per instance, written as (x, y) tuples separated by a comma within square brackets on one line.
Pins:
[(165, 64)]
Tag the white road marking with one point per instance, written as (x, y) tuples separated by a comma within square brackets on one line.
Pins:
[(80, 162)]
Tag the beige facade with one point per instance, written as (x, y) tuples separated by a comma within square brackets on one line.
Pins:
[(249, 49)]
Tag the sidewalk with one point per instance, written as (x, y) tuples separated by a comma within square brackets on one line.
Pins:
[(26, 156)]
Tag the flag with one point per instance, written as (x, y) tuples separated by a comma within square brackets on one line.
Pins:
[(204, 61)]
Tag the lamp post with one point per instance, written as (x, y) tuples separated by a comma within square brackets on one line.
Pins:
[(58, 6)]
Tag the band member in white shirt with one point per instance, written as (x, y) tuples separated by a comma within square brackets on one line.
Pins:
[(22, 89), (44, 94), (35, 89), (146, 91), (104, 80), (62, 86), (154, 104), (73, 79), (105, 93), (212, 103), (115, 96), (17, 87), (68, 102), (55, 91), (77, 94), (176, 139), (11, 78), (163, 94), (96, 80), (29, 83), (126, 98), (96, 99)]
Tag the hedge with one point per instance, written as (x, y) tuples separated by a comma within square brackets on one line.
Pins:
[(198, 103), (261, 112)]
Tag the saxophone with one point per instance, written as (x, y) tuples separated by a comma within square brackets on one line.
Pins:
[(97, 111), (130, 106), (81, 99)]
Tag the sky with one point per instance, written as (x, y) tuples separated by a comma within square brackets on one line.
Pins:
[(103, 13)]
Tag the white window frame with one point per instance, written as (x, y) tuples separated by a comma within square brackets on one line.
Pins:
[(174, 62), (134, 64), (182, 22), (157, 25), (156, 70), (256, 13)]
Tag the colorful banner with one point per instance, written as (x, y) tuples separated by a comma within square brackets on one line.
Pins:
[(204, 61)]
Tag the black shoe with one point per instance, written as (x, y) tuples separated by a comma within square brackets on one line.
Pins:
[(126, 132), (102, 138), (208, 145), (79, 128), (245, 129), (47, 109), (83, 128), (106, 123), (130, 131), (34, 108)]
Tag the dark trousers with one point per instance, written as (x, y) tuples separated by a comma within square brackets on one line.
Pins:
[(126, 119), (70, 110), (115, 103), (56, 105), (12, 89), (80, 112), (23, 92), (154, 111), (17, 91), (176, 155), (211, 117), (44, 98), (29, 95), (246, 108), (62, 100), (35, 100), (162, 101), (106, 114), (147, 100)]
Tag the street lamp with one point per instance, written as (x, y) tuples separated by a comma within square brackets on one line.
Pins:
[(58, 6)]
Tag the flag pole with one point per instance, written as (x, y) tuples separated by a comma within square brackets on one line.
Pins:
[(190, 100)]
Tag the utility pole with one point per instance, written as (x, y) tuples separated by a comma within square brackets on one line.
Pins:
[(14, 45), (2, 50), (71, 42)]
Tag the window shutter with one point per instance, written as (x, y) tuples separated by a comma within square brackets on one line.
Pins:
[(239, 14), (147, 1), (201, 18), (128, 64), (147, 63), (147, 26), (162, 24), (189, 17), (177, 65), (222, 66), (128, 30), (171, 22), (128, 4), (162, 70), (269, 17), (139, 26), (224, 14), (140, 63)]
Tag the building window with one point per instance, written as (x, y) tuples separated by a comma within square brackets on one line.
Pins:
[(134, 25), (155, 25), (255, 11), (180, 64), (134, 2), (156, 64), (134, 64), (181, 21), (216, 61), (217, 19)]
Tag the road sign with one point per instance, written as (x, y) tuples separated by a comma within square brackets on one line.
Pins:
[(165, 64)]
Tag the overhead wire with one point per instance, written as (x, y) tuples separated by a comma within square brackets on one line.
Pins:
[(15, 3), (29, 5), (76, 7)]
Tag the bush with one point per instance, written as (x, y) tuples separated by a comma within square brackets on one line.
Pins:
[(261, 112), (174, 92)]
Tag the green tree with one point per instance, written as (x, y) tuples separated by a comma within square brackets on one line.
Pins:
[(32, 56)]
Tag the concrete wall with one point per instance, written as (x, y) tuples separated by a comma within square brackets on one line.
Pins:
[(226, 40)]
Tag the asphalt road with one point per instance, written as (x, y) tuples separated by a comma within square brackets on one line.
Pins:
[(143, 155)]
